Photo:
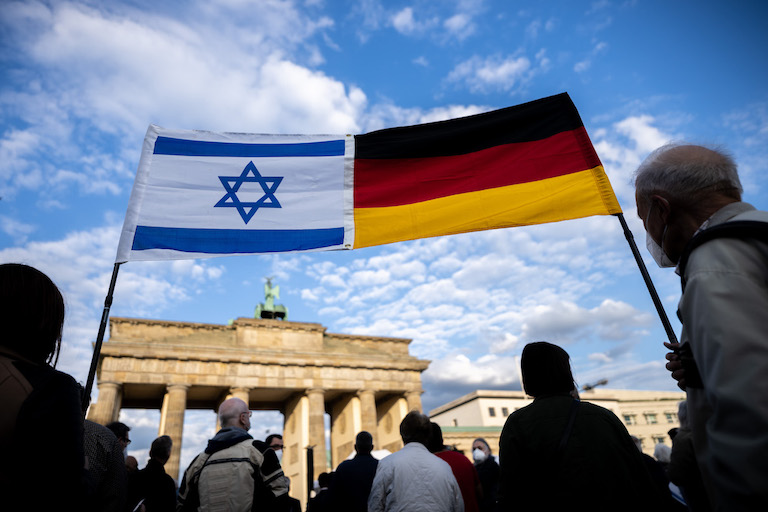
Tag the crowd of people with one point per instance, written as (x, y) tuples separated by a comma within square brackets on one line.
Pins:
[(558, 452)]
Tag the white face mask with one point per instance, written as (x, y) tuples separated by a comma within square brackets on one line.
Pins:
[(656, 251), (279, 454), (479, 455)]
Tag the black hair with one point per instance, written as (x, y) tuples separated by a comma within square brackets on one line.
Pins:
[(546, 369), (31, 313), (415, 428), (435, 443)]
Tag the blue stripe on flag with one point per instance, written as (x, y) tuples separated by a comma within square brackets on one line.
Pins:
[(235, 241), (185, 147)]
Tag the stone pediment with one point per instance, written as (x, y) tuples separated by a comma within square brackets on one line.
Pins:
[(256, 340)]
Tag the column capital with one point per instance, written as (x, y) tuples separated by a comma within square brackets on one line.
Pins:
[(361, 392), (314, 391), (177, 387), (239, 389), (109, 384)]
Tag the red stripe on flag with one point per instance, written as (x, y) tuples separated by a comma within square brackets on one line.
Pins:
[(395, 182)]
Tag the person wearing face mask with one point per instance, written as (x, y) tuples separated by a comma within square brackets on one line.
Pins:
[(275, 441), (685, 195), (488, 471)]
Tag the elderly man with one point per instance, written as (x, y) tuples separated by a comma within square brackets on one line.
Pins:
[(413, 479), (684, 193), (234, 472)]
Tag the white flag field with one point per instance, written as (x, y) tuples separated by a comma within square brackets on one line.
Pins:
[(204, 190)]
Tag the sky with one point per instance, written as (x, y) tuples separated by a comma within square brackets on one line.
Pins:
[(80, 82)]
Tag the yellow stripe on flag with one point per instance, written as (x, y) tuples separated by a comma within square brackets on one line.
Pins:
[(580, 194)]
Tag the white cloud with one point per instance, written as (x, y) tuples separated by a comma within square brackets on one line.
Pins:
[(496, 72), (96, 60), (80, 264), (15, 229), (582, 66), (459, 26), (405, 22), (623, 147)]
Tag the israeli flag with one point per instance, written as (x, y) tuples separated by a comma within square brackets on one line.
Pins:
[(202, 194)]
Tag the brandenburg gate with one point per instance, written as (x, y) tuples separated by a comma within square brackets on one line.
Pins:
[(363, 382)]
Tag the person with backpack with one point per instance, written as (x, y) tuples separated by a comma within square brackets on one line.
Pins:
[(234, 472), (689, 198)]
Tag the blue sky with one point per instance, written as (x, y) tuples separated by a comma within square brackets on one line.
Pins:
[(80, 82)]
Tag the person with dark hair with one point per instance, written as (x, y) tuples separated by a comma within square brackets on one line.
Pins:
[(556, 447), (121, 432), (33, 394), (152, 486), (488, 472), (413, 479), (352, 481), (275, 441), (689, 199), (463, 470), (320, 502)]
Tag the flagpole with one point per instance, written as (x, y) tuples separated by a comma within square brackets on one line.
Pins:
[(644, 271), (99, 339)]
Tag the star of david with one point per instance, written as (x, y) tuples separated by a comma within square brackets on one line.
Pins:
[(250, 174)]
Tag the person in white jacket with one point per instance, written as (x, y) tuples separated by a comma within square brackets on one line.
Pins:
[(413, 479)]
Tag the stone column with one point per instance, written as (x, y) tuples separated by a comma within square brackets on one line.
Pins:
[(107, 407), (368, 419), (296, 440), (172, 424), (317, 428), (414, 400), (241, 393), (391, 412), (345, 424)]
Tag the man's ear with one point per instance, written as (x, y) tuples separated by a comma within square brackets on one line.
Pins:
[(662, 207)]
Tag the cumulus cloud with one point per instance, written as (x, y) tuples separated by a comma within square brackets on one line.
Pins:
[(506, 73), (16, 229), (80, 264), (96, 60)]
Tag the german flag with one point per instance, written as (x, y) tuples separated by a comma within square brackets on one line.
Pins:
[(528, 164)]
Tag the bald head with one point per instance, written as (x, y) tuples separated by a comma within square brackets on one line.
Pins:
[(234, 412)]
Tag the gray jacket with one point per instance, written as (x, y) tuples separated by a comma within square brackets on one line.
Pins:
[(414, 480), (724, 312)]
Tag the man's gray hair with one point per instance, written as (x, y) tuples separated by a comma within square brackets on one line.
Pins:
[(687, 173)]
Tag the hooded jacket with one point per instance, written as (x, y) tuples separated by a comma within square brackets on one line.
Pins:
[(233, 473)]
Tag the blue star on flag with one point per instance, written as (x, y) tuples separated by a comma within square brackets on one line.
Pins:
[(249, 175)]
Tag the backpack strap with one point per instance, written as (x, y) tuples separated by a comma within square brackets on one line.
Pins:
[(735, 229)]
